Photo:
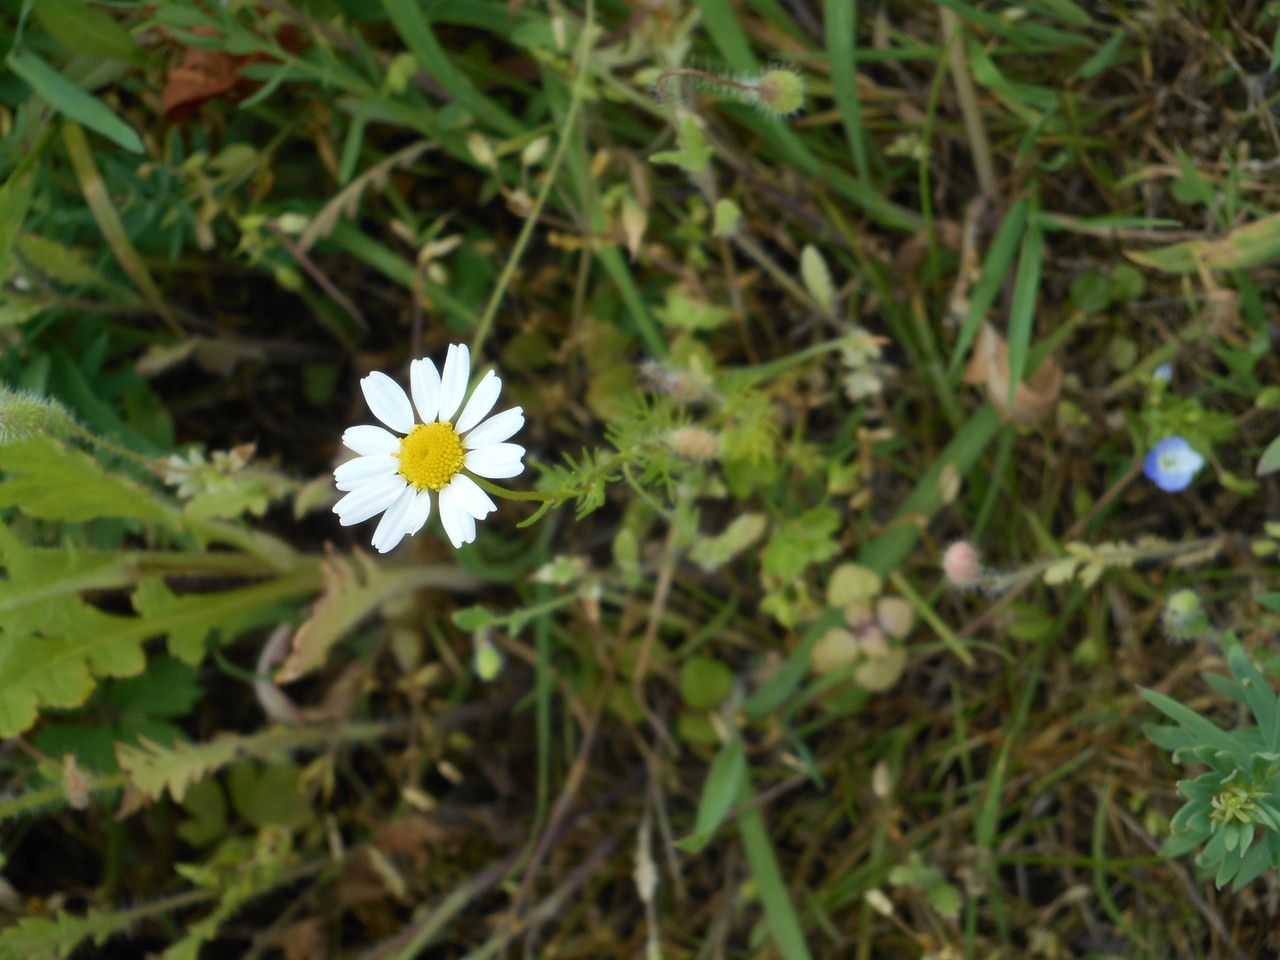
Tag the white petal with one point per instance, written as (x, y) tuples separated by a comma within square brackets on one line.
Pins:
[(482, 400), (418, 513), (472, 499), (496, 461), (370, 499), (458, 524), (390, 529), (357, 472), (367, 440), (424, 381), (453, 381), (1182, 460), (388, 401), (499, 427)]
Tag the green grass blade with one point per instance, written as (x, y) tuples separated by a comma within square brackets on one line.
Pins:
[(727, 34), (415, 30), (109, 222), (841, 27), (994, 269), (889, 549), (72, 102), (779, 912), (1022, 315)]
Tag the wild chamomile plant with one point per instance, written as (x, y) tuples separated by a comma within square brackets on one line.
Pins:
[(1232, 810), (438, 452)]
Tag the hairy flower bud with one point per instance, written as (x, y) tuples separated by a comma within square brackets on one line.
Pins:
[(23, 415), (694, 443), (780, 92), (961, 564)]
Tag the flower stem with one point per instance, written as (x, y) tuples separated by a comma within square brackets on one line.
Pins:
[(541, 496)]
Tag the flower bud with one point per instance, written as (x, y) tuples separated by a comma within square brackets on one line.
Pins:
[(961, 564), (1184, 617), (23, 415), (694, 443), (781, 92)]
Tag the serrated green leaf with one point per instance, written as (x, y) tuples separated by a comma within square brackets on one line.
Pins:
[(49, 480), (153, 769), (682, 312), (56, 938), (52, 644), (800, 541), (190, 619), (694, 153)]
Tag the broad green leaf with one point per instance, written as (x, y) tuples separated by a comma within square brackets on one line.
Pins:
[(1262, 699), (817, 277), (80, 28), (1203, 730), (265, 794), (725, 779), (1270, 460), (1243, 247), (74, 103), (49, 480), (705, 683)]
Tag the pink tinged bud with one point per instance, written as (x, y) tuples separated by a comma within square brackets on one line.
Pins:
[(961, 564)]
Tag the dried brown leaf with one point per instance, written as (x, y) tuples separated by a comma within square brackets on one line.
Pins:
[(989, 367)]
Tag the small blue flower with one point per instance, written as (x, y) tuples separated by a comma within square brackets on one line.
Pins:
[(1172, 464), (1164, 372)]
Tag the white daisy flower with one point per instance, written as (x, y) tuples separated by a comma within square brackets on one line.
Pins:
[(396, 475)]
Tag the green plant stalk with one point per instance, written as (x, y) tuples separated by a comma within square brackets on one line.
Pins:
[(921, 607), (108, 220), (549, 179)]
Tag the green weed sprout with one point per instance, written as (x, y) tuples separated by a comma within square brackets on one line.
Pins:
[(1232, 810)]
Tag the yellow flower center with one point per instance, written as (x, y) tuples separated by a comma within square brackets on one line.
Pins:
[(431, 455)]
